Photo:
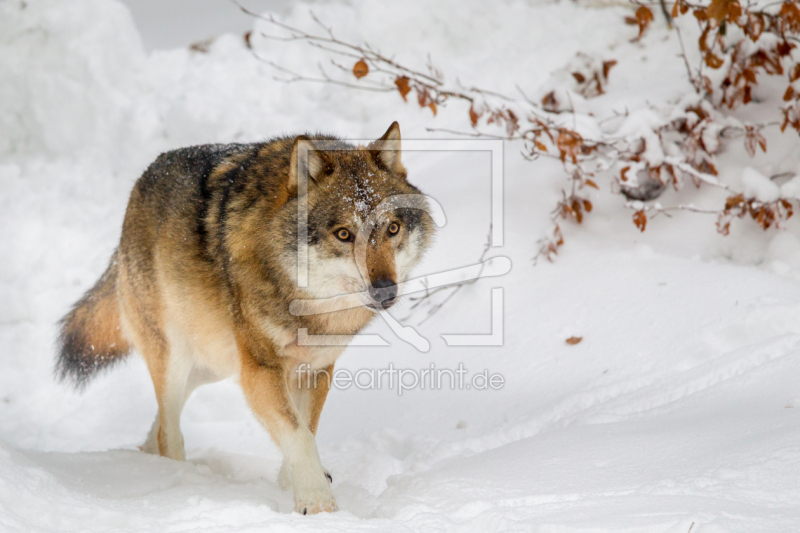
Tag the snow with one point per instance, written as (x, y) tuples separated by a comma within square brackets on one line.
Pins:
[(791, 189), (678, 407), (758, 186)]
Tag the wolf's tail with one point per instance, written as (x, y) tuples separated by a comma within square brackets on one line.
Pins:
[(91, 337)]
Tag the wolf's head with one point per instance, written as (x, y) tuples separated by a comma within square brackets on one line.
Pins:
[(367, 225)]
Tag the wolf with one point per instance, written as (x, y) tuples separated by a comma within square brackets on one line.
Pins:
[(207, 267)]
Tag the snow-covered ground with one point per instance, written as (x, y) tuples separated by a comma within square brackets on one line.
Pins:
[(678, 411)]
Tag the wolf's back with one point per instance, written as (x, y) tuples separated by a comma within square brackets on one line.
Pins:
[(174, 186)]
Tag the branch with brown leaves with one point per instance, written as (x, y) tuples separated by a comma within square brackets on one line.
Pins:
[(544, 127)]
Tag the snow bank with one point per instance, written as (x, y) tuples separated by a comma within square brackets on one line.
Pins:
[(68, 69), (758, 186)]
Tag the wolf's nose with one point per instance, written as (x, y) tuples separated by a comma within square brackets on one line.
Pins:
[(383, 291)]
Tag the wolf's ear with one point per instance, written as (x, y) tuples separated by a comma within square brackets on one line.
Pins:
[(306, 161), (386, 150)]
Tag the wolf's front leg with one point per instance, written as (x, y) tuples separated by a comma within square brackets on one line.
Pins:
[(308, 391), (267, 393)]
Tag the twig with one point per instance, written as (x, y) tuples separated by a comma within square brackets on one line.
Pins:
[(695, 83), (296, 34), (665, 11), (453, 288)]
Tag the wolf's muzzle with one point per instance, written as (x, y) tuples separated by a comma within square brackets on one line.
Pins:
[(383, 291)]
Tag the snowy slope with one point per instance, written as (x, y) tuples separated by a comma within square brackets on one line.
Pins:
[(679, 407)]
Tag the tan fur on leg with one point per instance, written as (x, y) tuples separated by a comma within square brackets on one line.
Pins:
[(266, 390), (197, 376)]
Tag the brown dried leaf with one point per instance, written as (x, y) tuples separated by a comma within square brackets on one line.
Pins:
[(402, 86), (723, 224), (679, 8), (640, 219), (707, 167), (713, 61), (721, 10), (654, 173), (734, 201), (788, 206), (754, 26), (473, 116), (202, 46), (718, 10), (360, 69), (701, 43), (549, 102), (643, 18), (568, 144), (572, 341), (558, 235), (577, 207), (423, 97), (790, 16), (592, 184), (669, 169), (734, 11), (750, 146), (753, 139), (795, 74), (607, 67), (432, 106), (700, 14), (512, 123)]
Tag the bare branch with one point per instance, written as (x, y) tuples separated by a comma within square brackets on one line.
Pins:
[(452, 289)]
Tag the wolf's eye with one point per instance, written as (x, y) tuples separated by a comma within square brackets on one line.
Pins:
[(343, 235), (394, 227)]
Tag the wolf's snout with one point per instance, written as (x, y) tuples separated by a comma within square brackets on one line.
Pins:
[(383, 291)]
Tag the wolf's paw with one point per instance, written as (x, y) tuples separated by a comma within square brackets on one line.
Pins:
[(315, 502), (312, 493)]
